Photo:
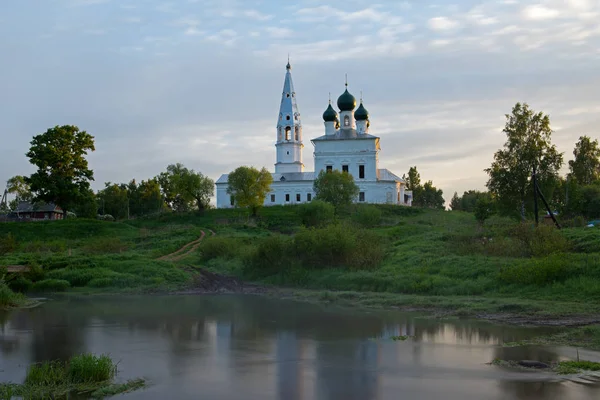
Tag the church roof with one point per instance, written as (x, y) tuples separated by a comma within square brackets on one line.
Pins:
[(387, 175), (345, 134), (287, 177)]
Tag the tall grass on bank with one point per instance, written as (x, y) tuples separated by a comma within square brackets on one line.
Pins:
[(8, 298), (81, 374)]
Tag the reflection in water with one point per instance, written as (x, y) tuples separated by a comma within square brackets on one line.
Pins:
[(252, 347)]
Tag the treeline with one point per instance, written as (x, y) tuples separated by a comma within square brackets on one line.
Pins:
[(529, 150), (63, 178)]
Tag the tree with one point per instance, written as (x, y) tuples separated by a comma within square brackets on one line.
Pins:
[(87, 206), (455, 203), (249, 187), (528, 145), (483, 209), (183, 187), (335, 187), (18, 186), (63, 176), (413, 183), (430, 197), (585, 168), (113, 200)]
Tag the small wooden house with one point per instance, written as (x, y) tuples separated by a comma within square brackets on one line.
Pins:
[(36, 212)]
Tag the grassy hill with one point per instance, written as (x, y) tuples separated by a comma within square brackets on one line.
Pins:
[(398, 255)]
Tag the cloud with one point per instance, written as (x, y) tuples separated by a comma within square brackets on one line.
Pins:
[(442, 24), (256, 15), (279, 32), (539, 12)]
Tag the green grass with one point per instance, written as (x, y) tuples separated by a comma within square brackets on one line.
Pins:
[(586, 336), (8, 298), (383, 254), (85, 374)]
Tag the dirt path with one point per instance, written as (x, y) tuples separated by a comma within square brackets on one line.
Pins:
[(186, 249)]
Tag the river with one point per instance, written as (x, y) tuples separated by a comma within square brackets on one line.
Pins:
[(251, 347)]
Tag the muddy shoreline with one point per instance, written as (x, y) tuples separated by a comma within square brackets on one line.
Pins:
[(206, 282)]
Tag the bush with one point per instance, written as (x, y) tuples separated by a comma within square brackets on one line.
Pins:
[(218, 247), (44, 246), (367, 216), (106, 217), (20, 284), (540, 241), (51, 285), (8, 298), (316, 213), (539, 272), (105, 245), (8, 244), (338, 245), (272, 255)]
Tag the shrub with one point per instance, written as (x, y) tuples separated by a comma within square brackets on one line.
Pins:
[(106, 217), (20, 284), (539, 272), (105, 245), (50, 373), (51, 285), (8, 244), (367, 216), (338, 245), (540, 241), (218, 247), (272, 255), (44, 246), (8, 298), (316, 213)]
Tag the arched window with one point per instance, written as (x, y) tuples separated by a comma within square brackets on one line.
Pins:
[(287, 117), (346, 120), (296, 134), (288, 132)]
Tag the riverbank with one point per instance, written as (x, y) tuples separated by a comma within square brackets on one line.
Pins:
[(443, 263)]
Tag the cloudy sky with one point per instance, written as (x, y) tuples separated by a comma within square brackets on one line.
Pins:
[(199, 81)]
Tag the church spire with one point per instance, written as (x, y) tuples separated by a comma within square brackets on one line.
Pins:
[(289, 128)]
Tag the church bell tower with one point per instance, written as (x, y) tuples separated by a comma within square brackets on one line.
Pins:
[(289, 129)]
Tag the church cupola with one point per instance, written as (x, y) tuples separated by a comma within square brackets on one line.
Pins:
[(361, 115), (289, 129), (346, 103), (331, 120)]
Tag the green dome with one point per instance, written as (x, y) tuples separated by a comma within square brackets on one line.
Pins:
[(330, 115), (346, 102), (361, 113)]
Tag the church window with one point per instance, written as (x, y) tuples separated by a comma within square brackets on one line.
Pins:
[(329, 168), (361, 196), (287, 95), (344, 168), (296, 133), (308, 196), (287, 197), (288, 153), (297, 196), (346, 120), (288, 132), (287, 117), (361, 172), (231, 200), (272, 198)]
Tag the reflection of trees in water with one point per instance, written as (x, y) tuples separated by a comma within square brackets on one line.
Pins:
[(523, 390), (542, 354), (347, 370)]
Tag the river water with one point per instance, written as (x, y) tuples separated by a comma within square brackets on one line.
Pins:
[(250, 347)]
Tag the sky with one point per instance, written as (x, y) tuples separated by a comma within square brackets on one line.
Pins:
[(199, 81)]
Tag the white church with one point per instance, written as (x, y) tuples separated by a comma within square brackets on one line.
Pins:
[(346, 145)]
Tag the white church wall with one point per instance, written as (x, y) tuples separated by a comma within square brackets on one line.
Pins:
[(354, 155), (285, 193)]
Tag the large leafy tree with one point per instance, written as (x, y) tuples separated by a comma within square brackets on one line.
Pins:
[(63, 176), (185, 187), (585, 167), (335, 187), (413, 183), (430, 197), (468, 201), (113, 200), (18, 186), (249, 187), (528, 144)]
